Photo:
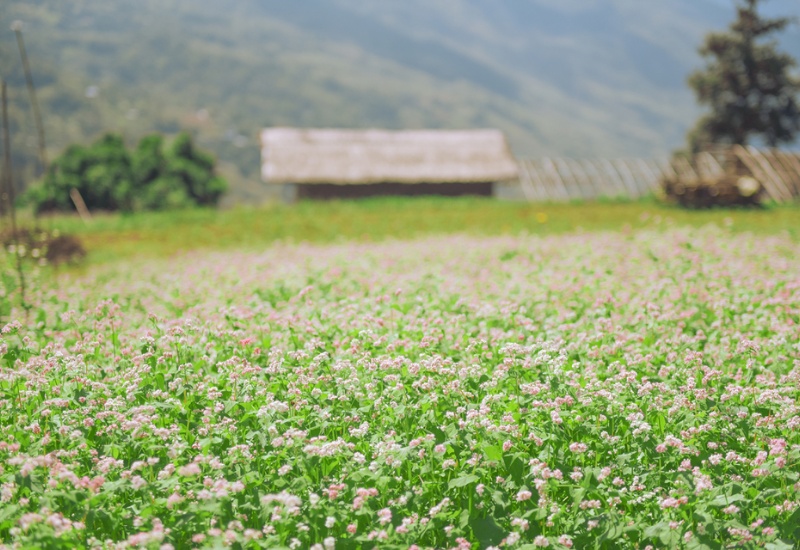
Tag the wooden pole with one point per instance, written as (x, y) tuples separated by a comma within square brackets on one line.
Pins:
[(16, 26), (9, 184), (80, 205), (9, 179)]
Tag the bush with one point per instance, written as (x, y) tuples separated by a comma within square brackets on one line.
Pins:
[(44, 247), (151, 177)]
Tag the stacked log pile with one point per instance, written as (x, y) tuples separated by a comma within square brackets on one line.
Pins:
[(733, 176), (709, 191)]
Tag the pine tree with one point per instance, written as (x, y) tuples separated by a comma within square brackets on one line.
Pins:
[(748, 84)]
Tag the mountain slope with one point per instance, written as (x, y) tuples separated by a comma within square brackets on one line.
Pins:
[(571, 77)]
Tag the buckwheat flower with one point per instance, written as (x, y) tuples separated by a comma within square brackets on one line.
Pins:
[(352, 528), (669, 502), (384, 516), (565, 540), (330, 522), (7, 491), (507, 446), (512, 539), (732, 509), (329, 543), (439, 449), (190, 469), (138, 482), (283, 470), (541, 541), (524, 495), (578, 447), (173, 499), (702, 483), (480, 488), (760, 458), (661, 448), (523, 524)]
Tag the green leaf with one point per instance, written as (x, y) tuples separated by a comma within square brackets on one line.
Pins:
[(487, 531), (493, 452), (725, 500), (612, 532), (462, 481)]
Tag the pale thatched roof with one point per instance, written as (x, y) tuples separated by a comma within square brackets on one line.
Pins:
[(353, 157)]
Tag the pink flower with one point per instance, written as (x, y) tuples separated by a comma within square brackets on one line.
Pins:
[(669, 502), (541, 541), (191, 469), (578, 447), (384, 516), (524, 495)]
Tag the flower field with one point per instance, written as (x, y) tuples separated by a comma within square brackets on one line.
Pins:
[(598, 390)]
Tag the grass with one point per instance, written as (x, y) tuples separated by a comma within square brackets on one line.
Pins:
[(112, 237)]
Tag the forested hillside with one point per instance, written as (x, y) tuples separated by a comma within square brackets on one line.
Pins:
[(572, 77)]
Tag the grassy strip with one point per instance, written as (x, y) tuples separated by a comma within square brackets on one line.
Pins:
[(113, 237)]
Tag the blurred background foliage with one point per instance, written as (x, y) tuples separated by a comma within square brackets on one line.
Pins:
[(154, 176), (605, 78)]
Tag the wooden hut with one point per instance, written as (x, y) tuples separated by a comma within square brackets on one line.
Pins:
[(332, 163)]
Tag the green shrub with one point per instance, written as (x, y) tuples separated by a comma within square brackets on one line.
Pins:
[(153, 176)]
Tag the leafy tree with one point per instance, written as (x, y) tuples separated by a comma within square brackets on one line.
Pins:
[(151, 177), (101, 173), (747, 83), (194, 169)]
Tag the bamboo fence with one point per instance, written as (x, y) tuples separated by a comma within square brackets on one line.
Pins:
[(564, 179)]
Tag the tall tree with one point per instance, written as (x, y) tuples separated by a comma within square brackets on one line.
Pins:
[(747, 83)]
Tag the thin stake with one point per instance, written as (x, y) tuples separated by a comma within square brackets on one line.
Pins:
[(16, 26), (9, 184)]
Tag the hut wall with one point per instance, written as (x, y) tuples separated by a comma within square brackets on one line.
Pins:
[(333, 191)]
